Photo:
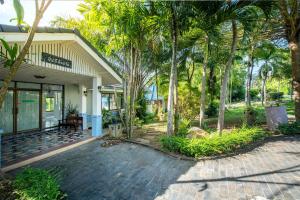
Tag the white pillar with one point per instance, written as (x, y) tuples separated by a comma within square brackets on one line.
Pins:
[(82, 106), (96, 108)]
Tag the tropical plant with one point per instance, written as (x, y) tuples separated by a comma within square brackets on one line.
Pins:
[(13, 61), (72, 110)]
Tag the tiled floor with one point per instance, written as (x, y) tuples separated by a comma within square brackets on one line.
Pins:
[(15, 148)]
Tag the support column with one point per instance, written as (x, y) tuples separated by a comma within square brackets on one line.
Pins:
[(96, 109), (82, 107)]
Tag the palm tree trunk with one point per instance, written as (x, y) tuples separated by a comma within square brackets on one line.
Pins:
[(295, 51), (249, 77), (131, 91), (203, 88), (263, 91), (125, 93), (176, 111), (170, 130), (225, 79)]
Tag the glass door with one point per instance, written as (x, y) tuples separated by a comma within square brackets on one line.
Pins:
[(6, 113), (28, 110)]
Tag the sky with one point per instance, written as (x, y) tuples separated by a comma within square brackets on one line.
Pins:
[(64, 8)]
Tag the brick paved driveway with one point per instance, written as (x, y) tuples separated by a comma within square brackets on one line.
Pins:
[(127, 171)]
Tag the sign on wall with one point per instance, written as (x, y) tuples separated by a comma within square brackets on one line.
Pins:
[(49, 58)]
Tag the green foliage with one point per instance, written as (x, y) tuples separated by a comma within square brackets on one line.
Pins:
[(141, 107), (275, 96), (188, 101), (36, 184), (290, 128), (72, 109), (212, 109), (149, 118), (12, 53), (184, 125), (110, 117), (215, 144), (254, 94), (106, 118), (19, 11), (250, 116)]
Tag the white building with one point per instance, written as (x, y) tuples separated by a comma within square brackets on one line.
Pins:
[(61, 68)]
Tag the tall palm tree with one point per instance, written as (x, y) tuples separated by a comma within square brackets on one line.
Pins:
[(290, 13)]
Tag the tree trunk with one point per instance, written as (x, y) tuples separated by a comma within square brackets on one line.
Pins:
[(176, 111), (131, 91), (125, 93), (291, 17), (170, 130), (263, 91), (225, 78), (249, 77), (295, 51), (203, 88)]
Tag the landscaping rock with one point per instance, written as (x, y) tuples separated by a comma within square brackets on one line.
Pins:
[(110, 142), (196, 132), (143, 141), (276, 115)]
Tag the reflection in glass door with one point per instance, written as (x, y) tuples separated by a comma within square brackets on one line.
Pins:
[(6, 113), (28, 104)]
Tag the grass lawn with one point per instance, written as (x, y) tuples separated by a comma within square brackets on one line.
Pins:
[(234, 115)]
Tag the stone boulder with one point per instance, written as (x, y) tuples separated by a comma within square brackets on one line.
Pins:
[(196, 132), (276, 115)]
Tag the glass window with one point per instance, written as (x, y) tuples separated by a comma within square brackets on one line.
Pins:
[(105, 101), (49, 104), (52, 105), (11, 84), (28, 85), (47, 87), (112, 102)]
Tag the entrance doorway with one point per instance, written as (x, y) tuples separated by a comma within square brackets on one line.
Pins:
[(31, 106), (27, 110)]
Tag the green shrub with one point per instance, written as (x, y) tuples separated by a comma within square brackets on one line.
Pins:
[(214, 145), (250, 116), (254, 93), (36, 184), (183, 128), (149, 118), (275, 96), (290, 128), (212, 109)]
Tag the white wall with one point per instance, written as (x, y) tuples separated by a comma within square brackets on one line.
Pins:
[(72, 95)]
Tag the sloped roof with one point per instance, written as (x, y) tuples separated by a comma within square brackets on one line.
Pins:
[(23, 29)]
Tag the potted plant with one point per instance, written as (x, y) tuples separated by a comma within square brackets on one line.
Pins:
[(71, 110)]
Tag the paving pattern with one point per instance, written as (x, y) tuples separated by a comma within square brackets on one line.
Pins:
[(18, 147), (127, 171)]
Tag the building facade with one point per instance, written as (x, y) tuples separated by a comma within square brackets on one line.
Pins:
[(61, 69)]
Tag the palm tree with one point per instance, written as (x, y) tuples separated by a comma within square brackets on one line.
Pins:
[(290, 13), (244, 12)]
